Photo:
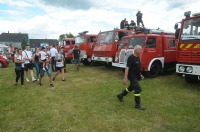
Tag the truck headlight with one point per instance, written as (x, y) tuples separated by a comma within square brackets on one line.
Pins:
[(181, 68), (189, 69)]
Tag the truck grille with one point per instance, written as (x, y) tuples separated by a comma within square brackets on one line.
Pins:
[(83, 52), (122, 56), (128, 53), (189, 56)]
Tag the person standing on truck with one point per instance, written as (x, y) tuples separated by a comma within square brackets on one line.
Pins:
[(132, 24), (126, 25), (139, 19), (133, 74), (122, 24), (76, 53)]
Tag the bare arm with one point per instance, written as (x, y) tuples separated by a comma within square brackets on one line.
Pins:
[(126, 76)]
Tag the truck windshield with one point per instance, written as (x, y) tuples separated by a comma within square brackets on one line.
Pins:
[(137, 41), (191, 29), (105, 37), (80, 39)]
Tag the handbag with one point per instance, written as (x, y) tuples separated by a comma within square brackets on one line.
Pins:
[(18, 68)]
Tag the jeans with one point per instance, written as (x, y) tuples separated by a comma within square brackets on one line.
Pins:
[(37, 67), (48, 70)]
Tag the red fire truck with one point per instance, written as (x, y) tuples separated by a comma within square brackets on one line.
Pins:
[(68, 44), (107, 45), (159, 51), (188, 49), (86, 43)]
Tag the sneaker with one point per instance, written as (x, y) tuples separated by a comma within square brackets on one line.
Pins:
[(33, 80), (40, 84), (120, 98), (27, 79), (23, 86), (51, 85), (63, 80), (54, 78), (140, 107)]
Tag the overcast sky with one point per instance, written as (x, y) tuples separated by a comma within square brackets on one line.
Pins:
[(50, 18)]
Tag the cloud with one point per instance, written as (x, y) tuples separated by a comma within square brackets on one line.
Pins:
[(70, 4)]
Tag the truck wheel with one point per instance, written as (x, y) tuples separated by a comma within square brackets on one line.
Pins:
[(154, 70), (108, 65), (1, 65), (86, 62), (191, 78)]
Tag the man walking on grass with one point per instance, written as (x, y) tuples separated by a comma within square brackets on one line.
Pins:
[(76, 53), (133, 74)]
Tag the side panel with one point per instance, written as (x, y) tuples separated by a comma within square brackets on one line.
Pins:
[(169, 50)]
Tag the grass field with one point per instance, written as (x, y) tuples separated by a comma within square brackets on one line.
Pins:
[(87, 102)]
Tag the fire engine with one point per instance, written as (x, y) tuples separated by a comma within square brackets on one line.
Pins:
[(107, 45), (68, 44), (188, 49), (158, 51), (86, 43)]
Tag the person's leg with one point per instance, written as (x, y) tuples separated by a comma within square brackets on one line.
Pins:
[(41, 75), (26, 72), (125, 91), (17, 77), (137, 96), (31, 71), (22, 76), (57, 72), (37, 69), (63, 74), (50, 76)]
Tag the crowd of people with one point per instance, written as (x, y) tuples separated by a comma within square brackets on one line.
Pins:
[(43, 60), (125, 25)]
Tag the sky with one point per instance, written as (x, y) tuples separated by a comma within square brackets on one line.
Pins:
[(50, 18)]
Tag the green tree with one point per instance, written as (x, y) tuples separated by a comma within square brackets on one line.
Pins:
[(67, 35), (24, 43)]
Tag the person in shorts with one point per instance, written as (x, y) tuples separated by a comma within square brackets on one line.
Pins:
[(60, 60), (76, 53)]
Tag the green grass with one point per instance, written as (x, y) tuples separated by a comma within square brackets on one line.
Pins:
[(87, 102)]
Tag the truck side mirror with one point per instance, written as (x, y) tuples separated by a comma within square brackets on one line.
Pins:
[(176, 26), (177, 33)]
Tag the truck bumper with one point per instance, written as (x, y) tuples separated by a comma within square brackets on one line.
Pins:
[(188, 69), (104, 59), (119, 65)]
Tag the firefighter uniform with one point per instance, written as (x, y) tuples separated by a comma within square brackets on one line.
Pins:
[(134, 76), (139, 19)]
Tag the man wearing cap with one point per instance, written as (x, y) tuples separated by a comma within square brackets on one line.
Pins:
[(28, 65)]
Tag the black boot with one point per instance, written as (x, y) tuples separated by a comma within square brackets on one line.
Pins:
[(137, 103), (120, 96)]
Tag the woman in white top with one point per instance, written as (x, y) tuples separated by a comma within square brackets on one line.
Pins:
[(19, 67)]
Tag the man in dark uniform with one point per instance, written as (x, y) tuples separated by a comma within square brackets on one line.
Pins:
[(122, 23), (76, 53), (133, 74), (139, 19), (132, 24)]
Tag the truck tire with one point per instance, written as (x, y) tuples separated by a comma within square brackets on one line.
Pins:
[(154, 70), (1, 65), (86, 62), (191, 78)]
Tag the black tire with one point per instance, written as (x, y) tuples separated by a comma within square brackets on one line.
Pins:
[(154, 70), (1, 64), (191, 78), (108, 65), (86, 62)]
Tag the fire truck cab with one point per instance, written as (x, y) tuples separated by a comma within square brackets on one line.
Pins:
[(86, 43), (188, 49), (68, 44), (107, 45), (159, 51)]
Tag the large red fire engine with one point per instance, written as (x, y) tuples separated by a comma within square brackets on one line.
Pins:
[(159, 51), (86, 43), (68, 44), (188, 49), (107, 45)]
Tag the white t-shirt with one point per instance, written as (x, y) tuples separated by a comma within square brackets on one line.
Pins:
[(19, 57), (43, 55), (53, 52), (28, 55)]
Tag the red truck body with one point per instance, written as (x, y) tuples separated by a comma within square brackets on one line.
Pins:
[(107, 45), (86, 43), (68, 44), (159, 51), (3, 62), (188, 49)]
